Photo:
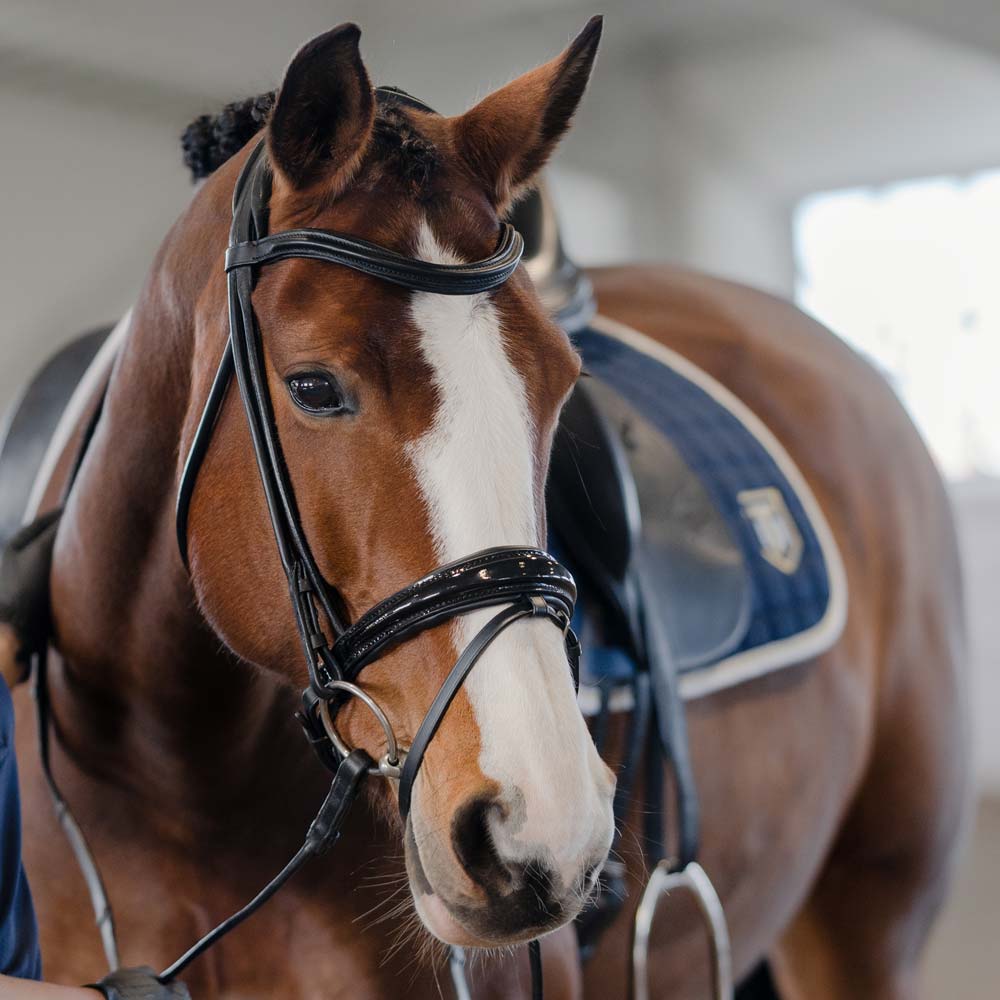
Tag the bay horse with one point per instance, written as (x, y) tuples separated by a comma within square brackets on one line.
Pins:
[(417, 429)]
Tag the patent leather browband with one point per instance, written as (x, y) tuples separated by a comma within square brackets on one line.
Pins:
[(519, 582)]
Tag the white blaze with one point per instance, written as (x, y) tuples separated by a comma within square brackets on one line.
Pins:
[(475, 468)]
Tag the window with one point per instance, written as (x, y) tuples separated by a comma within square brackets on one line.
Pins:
[(909, 274)]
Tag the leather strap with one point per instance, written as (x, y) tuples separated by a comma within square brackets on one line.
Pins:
[(387, 265), (491, 577), (103, 915), (324, 831), (524, 608)]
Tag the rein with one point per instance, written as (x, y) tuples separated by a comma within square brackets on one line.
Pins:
[(520, 582)]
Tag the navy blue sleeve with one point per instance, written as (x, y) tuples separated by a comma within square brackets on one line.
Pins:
[(19, 954)]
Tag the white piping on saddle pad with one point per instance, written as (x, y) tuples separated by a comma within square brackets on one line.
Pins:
[(68, 422), (752, 663)]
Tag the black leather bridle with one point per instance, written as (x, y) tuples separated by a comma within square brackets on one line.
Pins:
[(525, 581), (520, 582)]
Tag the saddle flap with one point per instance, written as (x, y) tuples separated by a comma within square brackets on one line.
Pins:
[(591, 493), (622, 498), (738, 561)]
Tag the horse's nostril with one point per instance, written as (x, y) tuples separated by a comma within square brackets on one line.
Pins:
[(473, 843)]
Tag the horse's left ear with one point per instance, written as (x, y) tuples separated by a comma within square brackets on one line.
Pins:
[(508, 136)]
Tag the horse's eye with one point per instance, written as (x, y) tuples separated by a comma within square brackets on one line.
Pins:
[(316, 392)]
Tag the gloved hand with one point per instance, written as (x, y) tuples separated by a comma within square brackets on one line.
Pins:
[(139, 984)]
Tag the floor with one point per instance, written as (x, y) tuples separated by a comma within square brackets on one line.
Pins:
[(964, 958)]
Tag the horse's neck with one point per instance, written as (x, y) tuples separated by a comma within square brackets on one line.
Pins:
[(146, 695)]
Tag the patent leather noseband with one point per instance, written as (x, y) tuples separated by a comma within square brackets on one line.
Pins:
[(519, 582)]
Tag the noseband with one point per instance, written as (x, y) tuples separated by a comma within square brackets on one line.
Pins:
[(521, 582)]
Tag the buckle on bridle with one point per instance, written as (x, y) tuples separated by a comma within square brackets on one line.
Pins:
[(542, 609)]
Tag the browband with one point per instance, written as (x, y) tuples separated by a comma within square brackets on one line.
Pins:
[(369, 258)]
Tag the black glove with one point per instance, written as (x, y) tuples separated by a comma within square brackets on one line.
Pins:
[(139, 984)]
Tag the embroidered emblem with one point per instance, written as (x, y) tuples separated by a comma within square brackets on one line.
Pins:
[(777, 534)]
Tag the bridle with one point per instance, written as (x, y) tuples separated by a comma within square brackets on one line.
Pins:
[(525, 581), (520, 582)]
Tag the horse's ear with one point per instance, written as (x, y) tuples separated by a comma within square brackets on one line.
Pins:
[(508, 136), (323, 116)]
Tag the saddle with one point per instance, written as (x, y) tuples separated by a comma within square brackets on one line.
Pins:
[(26, 549)]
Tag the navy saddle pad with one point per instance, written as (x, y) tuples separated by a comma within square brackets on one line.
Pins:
[(741, 563)]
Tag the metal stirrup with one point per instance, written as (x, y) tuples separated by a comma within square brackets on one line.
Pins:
[(692, 878)]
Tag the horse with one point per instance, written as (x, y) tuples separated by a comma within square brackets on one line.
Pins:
[(416, 428)]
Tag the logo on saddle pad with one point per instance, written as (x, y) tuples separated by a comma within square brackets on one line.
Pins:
[(777, 533)]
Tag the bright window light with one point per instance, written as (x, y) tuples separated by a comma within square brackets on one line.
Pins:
[(909, 274)]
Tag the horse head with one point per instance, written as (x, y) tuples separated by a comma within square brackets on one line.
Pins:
[(416, 429)]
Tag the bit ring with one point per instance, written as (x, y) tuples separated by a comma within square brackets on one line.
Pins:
[(390, 765)]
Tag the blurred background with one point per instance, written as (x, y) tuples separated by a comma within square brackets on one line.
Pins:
[(843, 154)]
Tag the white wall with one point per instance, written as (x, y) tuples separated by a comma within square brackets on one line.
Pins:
[(977, 510), (87, 192)]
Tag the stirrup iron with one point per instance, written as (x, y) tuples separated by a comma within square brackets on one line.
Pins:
[(456, 965), (694, 880)]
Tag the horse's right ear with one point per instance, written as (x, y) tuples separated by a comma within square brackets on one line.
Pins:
[(323, 116), (507, 137)]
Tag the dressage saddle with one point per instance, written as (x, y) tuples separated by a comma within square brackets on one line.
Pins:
[(31, 421)]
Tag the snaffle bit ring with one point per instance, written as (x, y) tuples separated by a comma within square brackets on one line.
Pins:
[(390, 766)]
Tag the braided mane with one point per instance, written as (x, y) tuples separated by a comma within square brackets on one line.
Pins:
[(210, 140)]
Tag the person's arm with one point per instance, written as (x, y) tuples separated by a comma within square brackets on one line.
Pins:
[(28, 989)]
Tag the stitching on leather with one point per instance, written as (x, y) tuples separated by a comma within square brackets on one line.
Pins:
[(513, 589), (400, 596)]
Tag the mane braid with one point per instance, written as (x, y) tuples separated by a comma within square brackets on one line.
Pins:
[(210, 140), (397, 143)]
